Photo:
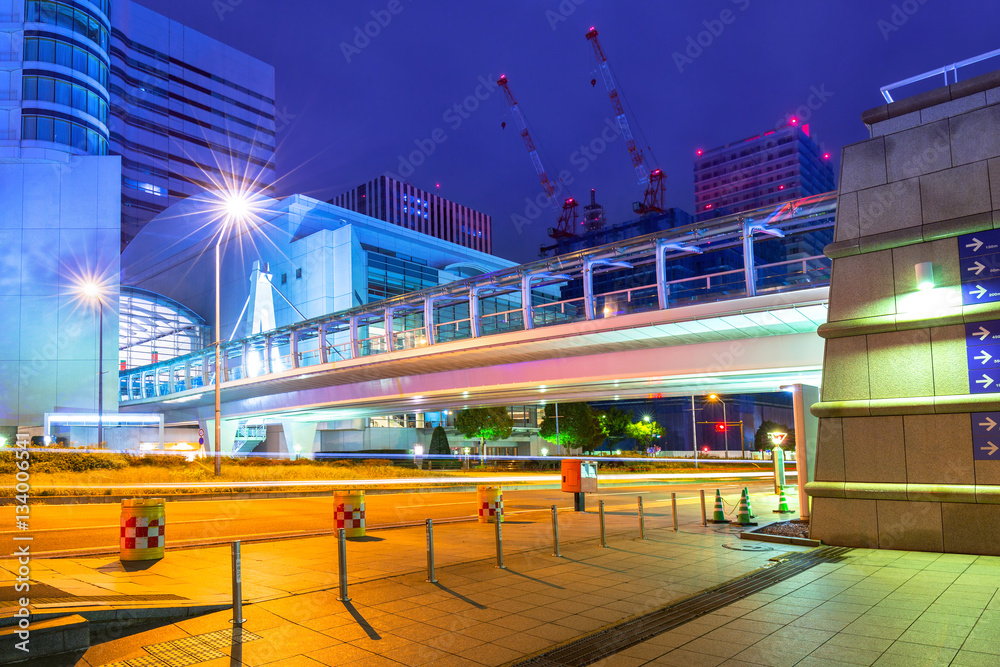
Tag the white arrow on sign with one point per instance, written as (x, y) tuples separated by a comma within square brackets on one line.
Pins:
[(986, 381), (984, 356), (991, 450), (975, 245), (978, 292), (982, 333), (977, 267), (989, 424)]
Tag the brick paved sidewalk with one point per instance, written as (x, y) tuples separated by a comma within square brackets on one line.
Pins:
[(476, 614), (876, 608)]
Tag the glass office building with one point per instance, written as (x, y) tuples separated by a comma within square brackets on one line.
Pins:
[(109, 112), (408, 206), (770, 168), (110, 77)]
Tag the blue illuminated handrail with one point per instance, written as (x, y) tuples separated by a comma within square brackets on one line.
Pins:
[(953, 68)]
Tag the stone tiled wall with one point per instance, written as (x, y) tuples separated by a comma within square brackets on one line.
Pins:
[(895, 467)]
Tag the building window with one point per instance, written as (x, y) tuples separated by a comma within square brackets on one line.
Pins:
[(284, 278), (298, 274)]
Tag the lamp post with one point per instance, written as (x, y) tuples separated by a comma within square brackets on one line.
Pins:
[(94, 291), (236, 206), (218, 347)]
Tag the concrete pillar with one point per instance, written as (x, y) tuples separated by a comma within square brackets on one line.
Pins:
[(300, 438), (228, 429), (805, 425), (390, 339)]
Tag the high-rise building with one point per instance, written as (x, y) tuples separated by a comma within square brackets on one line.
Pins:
[(110, 77), (770, 168), (109, 112), (408, 206)]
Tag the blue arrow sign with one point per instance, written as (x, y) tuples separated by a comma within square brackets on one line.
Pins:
[(983, 357), (984, 382), (983, 333), (986, 448), (986, 424), (981, 291), (980, 243), (980, 267)]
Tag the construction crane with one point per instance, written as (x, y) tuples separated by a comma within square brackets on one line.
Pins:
[(654, 181), (566, 225)]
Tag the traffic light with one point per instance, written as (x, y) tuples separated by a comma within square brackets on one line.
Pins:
[(721, 427)]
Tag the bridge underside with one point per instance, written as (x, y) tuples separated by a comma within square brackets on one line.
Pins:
[(745, 345)]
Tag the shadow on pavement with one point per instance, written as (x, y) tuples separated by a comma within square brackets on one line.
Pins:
[(369, 630), (536, 580), (460, 596)]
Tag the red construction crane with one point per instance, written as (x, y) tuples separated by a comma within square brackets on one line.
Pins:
[(566, 225), (653, 180)]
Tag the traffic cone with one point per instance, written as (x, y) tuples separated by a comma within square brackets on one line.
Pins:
[(746, 492), (719, 515), (743, 516), (782, 503)]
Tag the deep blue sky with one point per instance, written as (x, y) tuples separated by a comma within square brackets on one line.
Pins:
[(349, 121)]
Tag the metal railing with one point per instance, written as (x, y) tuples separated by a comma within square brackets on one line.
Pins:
[(940, 71), (593, 284)]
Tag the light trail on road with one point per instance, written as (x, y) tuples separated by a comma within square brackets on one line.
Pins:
[(408, 481)]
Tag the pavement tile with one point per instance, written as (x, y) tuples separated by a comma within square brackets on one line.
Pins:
[(683, 658), (919, 653), (965, 658), (846, 655), (983, 645), (748, 625), (777, 652), (490, 654), (715, 647)]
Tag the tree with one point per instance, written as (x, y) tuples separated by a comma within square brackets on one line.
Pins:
[(579, 426), (484, 424), (615, 424), (761, 440), (645, 431), (439, 444)]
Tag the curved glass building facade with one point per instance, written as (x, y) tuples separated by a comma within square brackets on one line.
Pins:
[(154, 328), (64, 79)]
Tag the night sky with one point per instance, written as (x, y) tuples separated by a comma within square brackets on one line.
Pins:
[(341, 123)]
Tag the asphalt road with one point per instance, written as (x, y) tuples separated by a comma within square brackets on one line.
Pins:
[(83, 528)]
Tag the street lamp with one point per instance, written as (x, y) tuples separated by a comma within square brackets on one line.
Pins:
[(94, 291), (236, 207)]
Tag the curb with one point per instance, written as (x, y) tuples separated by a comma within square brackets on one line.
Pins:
[(778, 539)]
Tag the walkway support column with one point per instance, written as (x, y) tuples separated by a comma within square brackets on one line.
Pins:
[(429, 320), (662, 291), (324, 354), (390, 339), (475, 325), (588, 289), (749, 269), (355, 345), (526, 306)]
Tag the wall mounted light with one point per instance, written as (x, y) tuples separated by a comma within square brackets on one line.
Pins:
[(925, 275)]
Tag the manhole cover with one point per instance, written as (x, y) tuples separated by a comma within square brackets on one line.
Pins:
[(747, 546), (730, 530)]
